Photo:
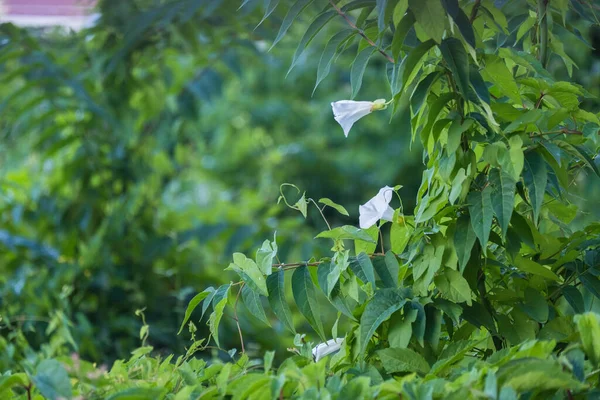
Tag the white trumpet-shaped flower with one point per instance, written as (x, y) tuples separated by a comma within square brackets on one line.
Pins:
[(347, 112), (324, 349), (377, 208)]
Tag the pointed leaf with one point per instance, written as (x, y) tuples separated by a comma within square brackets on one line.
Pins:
[(215, 319), (358, 69), (403, 360), (193, 304), (312, 30), (249, 272), (456, 57), (347, 232), (335, 206), (305, 296), (530, 266), (387, 269), (400, 34), (329, 52), (253, 302), (279, 305), (431, 16), (480, 208), (383, 304), (363, 268), (453, 286), (503, 197), (464, 239), (535, 176), (292, 13)]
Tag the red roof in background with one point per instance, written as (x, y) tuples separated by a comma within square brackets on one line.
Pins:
[(70, 13)]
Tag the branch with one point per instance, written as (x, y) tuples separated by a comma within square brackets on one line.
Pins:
[(286, 266), (474, 11), (543, 36), (361, 32)]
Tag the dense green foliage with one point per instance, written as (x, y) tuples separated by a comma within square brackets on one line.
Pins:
[(485, 287)]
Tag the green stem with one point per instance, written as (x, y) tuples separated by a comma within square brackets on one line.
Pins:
[(543, 31)]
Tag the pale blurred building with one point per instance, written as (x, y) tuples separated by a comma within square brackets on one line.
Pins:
[(72, 14)]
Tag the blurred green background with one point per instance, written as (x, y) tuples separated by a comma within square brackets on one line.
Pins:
[(138, 155)]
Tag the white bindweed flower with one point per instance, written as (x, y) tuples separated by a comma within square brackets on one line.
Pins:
[(324, 349), (377, 208), (347, 112)]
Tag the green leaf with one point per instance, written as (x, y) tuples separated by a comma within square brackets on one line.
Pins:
[(358, 69), (465, 27), (456, 57), (400, 34), (383, 304), (381, 20), (478, 84), (422, 91), (215, 319), (329, 52), (301, 205), (591, 283), (400, 236), (277, 301), (265, 256), (413, 60), (480, 208), (249, 272), (52, 380), (535, 305), (269, 8), (252, 301), (588, 325), (453, 286), (387, 269), (529, 266), (400, 330), (292, 13), (312, 30), (335, 206), (503, 197), (346, 232), (193, 304), (533, 374), (431, 16), (535, 176), (361, 246), (455, 132), (574, 298), (7, 382), (362, 267), (305, 296), (497, 72), (403, 360), (138, 393)]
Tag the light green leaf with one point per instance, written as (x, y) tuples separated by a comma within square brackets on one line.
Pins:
[(335, 206), (360, 246), (453, 286), (535, 305), (456, 57), (497, 72), (455, 132), (403, 360), (249, 272), (503, 196), (411, 63), (215, 319), (517, 157), (431, 16), (400, 330), (305, 296), (400, 236), (480, 208), (535, 176), (529, 266), (383, 304), (52, 380), (279, 305), (346, 232), (588, 325), (265, 256), (253, 302), (362, 267), (193, 304)]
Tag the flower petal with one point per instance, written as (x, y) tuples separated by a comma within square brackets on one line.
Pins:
[(347, 112), (324, 349)]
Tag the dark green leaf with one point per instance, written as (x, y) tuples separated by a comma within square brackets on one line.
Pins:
[(193, 304), (279, 305), (535, 176), (314, 28), (456, 57), (329, 52), (363, 269), (433, 326), (383, 304), (480, 208), (591, 283), (464, 239), (387, 269), (253, 302), (431, 16), (305, 296), (574, 297), (358, 69), (535, 305), (503, 197), (479, 85), (400, 34), (413, 60), (292, 13), (422, 90)]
